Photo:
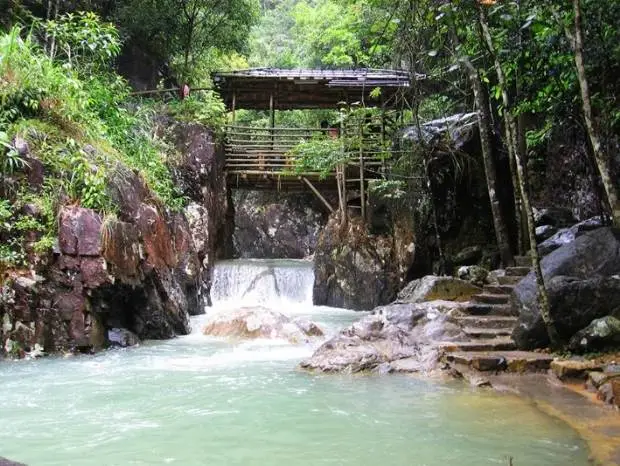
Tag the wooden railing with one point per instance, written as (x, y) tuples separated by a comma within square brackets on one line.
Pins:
[(255, 151), (267, 151)]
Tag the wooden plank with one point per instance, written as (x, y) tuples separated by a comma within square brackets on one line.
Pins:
[(318, 194)]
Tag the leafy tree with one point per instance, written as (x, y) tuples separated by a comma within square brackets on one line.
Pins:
[(187, 29)]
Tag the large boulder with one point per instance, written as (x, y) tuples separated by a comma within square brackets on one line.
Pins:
[(394, 338), (568, 235), (558, 217), (431, 288), (258, 322), (600, 334), (580, 285), (357, 270)]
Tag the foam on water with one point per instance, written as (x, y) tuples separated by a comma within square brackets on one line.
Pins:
[(278, 284)]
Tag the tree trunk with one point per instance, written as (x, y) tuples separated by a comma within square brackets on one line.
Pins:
[(516, 151), (486, 139), (602, 160)]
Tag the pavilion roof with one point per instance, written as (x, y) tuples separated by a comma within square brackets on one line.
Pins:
[(309, 88)]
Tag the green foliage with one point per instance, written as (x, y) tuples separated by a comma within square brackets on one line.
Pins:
[(204, 107), (323, 34), (81, 40), (320, 154), (183, 31), (387, 189), (10, 159)]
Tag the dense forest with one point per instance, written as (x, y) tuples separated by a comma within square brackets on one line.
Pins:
[(540, 75)]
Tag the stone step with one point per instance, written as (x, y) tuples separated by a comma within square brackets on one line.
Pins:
[(510, 361), (480, 309), (491, 344), (517, 271), (498, 289), (486, 298), (488, 333), (523, 261), (509, 280), (487, 321)]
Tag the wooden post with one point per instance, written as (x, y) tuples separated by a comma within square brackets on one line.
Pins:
[(362, 187), (272, 119), (234, 106)]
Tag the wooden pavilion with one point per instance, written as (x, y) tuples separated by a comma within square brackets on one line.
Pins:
[(260, 158)]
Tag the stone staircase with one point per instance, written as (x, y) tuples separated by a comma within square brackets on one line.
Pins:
[(488, 321)]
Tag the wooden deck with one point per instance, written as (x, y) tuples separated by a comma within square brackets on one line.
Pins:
[(261, 158)]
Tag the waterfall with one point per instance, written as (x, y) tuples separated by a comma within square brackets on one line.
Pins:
[(273, 283)]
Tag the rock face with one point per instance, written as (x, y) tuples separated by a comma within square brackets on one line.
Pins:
[(567, 235), (394, 338), (275, 225), (581, 286), (135, 275), (432, 288), (258, 322), (357, 270)]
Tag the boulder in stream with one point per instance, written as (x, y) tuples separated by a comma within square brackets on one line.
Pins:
[(258, 322), (394, 338)]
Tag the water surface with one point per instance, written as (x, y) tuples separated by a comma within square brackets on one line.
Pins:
[(202, 401)]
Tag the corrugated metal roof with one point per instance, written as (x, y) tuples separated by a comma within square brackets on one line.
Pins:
[(361, 76), (309, 88)]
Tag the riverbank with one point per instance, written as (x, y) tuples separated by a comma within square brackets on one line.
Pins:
[(597, 424)]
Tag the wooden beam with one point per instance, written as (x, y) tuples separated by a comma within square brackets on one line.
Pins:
[(318, 194), (234, 105)]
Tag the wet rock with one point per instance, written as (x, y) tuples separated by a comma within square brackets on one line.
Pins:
[(309, 328), (256, 322), (79, 231), (573, 368), (580, 284), (431, 288), (198, 221), (596, 379), (275, 225), (156, 237), (615, 388), (129, 191), (473, 273), (397, 332), (568, 235), (122, 249), (609, 392), (555, 216), (94, 272), (122, 337), (5, 462), (357, 270), (493, 277), (601, 333), (544, 232)]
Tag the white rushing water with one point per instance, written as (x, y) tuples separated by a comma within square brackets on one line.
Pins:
[(276, 283), (197, 400)]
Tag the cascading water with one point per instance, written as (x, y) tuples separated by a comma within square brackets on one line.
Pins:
[(272, 283)]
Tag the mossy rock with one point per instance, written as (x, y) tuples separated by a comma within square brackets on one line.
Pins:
[(431, 288)]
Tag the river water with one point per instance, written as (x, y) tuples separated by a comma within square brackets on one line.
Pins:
[(201, 401)]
